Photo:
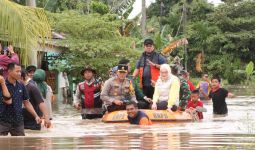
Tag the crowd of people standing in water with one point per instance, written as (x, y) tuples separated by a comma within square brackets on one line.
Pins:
[(161, 87), (22, 86)]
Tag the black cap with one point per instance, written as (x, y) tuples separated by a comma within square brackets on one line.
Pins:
[(183, 72), (148, 41), (88, 68), (122, 68), (31, 68)]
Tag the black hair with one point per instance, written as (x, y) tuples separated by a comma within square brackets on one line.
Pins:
[(216, 77), (124, 61), (12, 65), (195, 91), (132, 103), (183, 72), (31, 68), (174, 69), (23, 73), (205, 74)]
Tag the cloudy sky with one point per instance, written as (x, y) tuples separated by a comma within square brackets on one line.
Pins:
[(138, 5)]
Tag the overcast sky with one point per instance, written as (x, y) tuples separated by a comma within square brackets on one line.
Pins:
[(138, 6)]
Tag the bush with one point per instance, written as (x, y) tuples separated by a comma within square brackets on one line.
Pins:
[(227, 67)]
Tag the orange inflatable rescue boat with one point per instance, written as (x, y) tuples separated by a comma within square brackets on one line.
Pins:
[(156, 116)]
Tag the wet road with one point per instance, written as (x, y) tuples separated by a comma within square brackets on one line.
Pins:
[(235, 131)]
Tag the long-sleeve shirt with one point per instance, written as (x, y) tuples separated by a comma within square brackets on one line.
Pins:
[(113, 89), (167, 91), (191, 86), (5, 60), (138, 92)]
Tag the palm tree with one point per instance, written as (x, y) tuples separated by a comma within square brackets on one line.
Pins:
[(23, 26)]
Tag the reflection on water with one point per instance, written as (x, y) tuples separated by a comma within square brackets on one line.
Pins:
[(133, 141), (241, 90), (235, 131)]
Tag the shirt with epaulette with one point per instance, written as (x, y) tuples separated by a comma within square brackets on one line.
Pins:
[(117, 90)]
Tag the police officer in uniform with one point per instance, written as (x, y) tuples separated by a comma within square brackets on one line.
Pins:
[(118, 90)]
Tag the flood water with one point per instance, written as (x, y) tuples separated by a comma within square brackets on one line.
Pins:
[(235, 131)]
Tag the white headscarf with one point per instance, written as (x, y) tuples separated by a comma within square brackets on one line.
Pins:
[(166, 67)]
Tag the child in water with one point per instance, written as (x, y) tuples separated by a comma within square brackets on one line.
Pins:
[(218, 96), (195, 104)]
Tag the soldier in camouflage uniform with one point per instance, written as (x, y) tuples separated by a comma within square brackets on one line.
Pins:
[(184, 93), (184, 90), (118, 90)]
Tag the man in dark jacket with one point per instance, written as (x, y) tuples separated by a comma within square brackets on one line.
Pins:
[(147, 68)]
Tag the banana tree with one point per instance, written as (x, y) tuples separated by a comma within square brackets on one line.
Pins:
[(119, 7), (23, 26), (249, 70)]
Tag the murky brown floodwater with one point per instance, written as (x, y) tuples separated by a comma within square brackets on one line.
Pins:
[(236, 131)]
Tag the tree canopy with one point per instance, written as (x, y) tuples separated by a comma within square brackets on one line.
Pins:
[(224, 34), (91, 40), (23, 26), (220, 38)]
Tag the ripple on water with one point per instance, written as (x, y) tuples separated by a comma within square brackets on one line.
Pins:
[(71, 132)]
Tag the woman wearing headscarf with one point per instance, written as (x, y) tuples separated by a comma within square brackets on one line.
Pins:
[(40, 77), (167, 88)]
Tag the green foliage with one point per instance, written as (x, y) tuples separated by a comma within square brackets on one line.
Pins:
[(99, 7), (236, 24), (23, 26), (122, 8), (83, 6), (154, 9), (158, 41), (91, 40), (249, 69), (225, 65), (225, 34)]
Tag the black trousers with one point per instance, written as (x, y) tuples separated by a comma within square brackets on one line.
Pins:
[(163, 106), (148, 91), (143, 105), (114, 107), (91, 116), (14, 130), (29, 121), (32, 125)]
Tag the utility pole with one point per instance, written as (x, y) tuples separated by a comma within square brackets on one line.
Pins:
[(143, 20)]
